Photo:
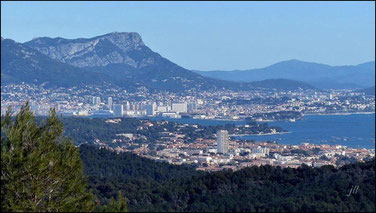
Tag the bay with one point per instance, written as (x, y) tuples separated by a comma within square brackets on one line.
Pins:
[(354, 130)]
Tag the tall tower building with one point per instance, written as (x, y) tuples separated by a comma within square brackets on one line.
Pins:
[(127, 106), (222, 141), (109, 102), (98, 101)]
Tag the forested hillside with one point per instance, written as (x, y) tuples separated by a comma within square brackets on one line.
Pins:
[(155, 186)]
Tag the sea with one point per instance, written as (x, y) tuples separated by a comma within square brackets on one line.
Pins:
[(352, 130)]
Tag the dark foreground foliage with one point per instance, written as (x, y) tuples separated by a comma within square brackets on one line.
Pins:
[(41, 170), (154, 186)]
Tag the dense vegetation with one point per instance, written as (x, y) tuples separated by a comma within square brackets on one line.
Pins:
[(41, 170), (155, 186)]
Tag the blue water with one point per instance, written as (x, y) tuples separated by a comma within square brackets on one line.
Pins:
[(203, 122), (357, 130)]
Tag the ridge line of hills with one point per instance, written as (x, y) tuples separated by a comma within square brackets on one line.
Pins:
[(121, 59), (319, 75), (158, 186)]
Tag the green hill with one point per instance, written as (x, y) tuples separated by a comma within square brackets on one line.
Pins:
[(154, 186)]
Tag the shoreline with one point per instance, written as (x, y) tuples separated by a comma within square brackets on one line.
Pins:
[(277, 133), (342, 113), (286, 120)]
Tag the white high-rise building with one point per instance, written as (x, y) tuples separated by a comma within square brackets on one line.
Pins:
[(98, 102), (109, 102), (179, 107), (150, 108), (94, 101), (118, 110), (222, 141), (127, 106)]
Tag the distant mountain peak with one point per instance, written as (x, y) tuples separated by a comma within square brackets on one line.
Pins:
[(123, 37), (117, 58), (320, 75), (103, 50), (293, 60)]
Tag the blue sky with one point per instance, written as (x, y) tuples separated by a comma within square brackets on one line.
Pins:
[(211, 35)]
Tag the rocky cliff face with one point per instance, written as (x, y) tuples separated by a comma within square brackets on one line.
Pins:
[(20, 63), (112, 48)]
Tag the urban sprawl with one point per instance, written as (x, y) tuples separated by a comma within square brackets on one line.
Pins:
[(207, 154)]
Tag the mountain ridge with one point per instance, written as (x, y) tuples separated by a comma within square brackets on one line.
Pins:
[(118, 58), (20, 63), (319, 75)]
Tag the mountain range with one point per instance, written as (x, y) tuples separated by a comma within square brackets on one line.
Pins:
[(122, 59), (116, 58), (319, 75), (20, 63)]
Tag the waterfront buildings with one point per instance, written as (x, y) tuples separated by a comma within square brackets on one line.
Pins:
[(179, 107)]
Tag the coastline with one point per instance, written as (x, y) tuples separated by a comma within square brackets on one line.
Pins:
[(286, 120), (277, 133), (342, 113), (307, 114)]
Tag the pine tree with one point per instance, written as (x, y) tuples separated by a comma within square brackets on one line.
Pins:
[(115, 206), (40, 169)]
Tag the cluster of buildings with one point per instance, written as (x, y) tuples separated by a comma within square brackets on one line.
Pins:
[(208, 154), (139, 109), (223, 153), (224, 104)]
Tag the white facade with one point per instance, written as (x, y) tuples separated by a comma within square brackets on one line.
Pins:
[(162, 109), (109, 102), (222, 141), (179, 107), (260, 151), (98, 102), (170, 115)]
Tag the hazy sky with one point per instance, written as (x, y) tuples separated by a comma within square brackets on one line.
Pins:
[(211, 35)]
